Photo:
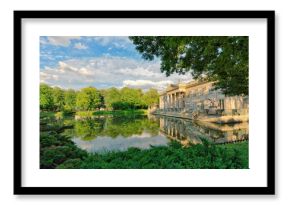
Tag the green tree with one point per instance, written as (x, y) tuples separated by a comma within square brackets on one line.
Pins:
[(88, 99), (223, 59), (46, 97), (151, 97), (102, 98), (112, 95), (70, 100), (131, 97), (58, 98)]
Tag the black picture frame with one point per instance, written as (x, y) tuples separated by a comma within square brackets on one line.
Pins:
[(268, 190)]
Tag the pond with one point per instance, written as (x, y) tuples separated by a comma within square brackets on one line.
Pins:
[(118, 133)]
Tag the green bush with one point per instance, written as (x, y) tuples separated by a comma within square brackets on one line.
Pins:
[(174, 156), (56, 149), (70, 164)]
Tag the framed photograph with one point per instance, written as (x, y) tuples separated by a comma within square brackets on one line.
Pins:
[(144, 102)]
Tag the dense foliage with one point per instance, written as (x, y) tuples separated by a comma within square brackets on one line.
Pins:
[(90, 98), (151, 97), (46, 97), (56, 149), (173, 156), (58, 98), (223, 59), (70, 100)]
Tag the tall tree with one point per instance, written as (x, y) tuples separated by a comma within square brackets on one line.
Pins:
[(70, 100), (223, 59), (88, 99), (112, 95), (58, 98), (46, 97), (132, 97), (151, 97), (102, 98)]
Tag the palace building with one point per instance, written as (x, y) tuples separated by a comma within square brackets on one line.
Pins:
[(200, 99)]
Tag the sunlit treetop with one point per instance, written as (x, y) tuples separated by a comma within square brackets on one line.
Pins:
[(223, 59)]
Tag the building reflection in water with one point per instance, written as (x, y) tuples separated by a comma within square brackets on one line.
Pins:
[(187, 131)]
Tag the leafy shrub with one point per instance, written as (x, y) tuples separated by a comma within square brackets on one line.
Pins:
[(56, 149), (174, 156), (70, 164)]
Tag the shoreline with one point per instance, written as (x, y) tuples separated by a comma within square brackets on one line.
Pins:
[(228, 119)]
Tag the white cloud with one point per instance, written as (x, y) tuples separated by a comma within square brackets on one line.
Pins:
[(140, 71), (104, 72), (60, 40), (113, 41), (147, 84), (80, 46)]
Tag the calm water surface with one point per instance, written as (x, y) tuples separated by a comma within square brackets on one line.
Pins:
[(118, 133)]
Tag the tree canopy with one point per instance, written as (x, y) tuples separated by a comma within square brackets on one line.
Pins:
[(112, 95), (46, 97), (70, 100), (90, 98), (151, 97), (58, 98), (223, 59)]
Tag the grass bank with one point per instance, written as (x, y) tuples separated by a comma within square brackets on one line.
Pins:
[(57, 151), (121, 112), (87, 114), (48, 115)]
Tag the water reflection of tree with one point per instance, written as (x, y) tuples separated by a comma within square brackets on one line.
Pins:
[(88, 129), (113, 127), (128, 126)]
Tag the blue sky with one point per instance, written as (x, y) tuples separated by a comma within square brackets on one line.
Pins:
[(99, 61)]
